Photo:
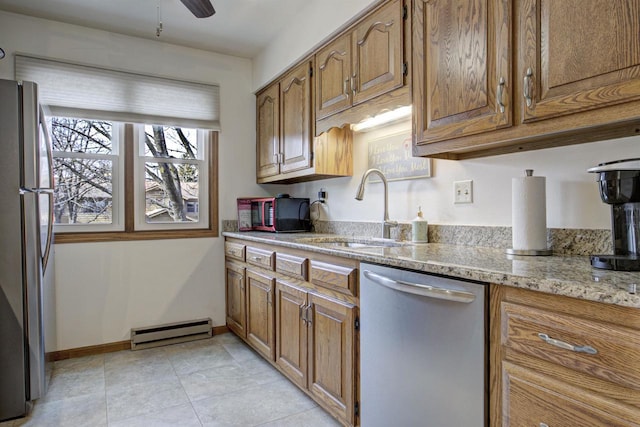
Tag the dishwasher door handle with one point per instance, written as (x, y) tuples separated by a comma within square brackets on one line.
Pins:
[(422, 290)]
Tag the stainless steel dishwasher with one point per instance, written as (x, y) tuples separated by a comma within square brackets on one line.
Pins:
[(423, 349)]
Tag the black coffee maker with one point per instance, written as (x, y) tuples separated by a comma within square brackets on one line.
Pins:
[(619, 183)]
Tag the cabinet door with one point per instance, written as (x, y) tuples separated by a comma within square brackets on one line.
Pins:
[(462, 66), (295, 119), (577, 55), (236, 308), (260, 320), (291, 333), (378, 54), (268, 132), (333, 77), (332, 355)]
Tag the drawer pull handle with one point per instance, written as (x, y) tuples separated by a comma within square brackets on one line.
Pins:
[(256, 258), (577, 348), (543, 425)]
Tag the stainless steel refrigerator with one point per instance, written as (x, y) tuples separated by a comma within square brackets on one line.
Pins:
[(26, 264)]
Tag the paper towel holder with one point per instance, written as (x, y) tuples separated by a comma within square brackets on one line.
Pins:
[(529, 252)]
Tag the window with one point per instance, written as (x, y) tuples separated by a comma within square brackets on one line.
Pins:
[(87, 167), (119, 181), (123, 181), (169, 171)]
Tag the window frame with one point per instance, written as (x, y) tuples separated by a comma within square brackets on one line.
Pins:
[(130, 232), (139, 172), (117, 183)]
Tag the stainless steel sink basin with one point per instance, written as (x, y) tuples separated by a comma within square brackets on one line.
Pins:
[(351, 242)]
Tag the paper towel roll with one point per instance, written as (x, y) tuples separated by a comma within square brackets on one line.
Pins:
[(529, 213)]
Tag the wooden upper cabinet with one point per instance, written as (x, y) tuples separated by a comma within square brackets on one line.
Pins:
[(362, 63), (577, 55), (333, 77), (268, 131), (295, 119), (461, 65), (287, 150), (377, 65)]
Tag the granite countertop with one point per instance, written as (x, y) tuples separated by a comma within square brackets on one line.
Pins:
[(557, 274)]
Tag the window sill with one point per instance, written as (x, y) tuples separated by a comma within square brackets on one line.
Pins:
[(117, 236)]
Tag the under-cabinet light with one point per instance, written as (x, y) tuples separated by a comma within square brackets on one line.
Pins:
[(384, 118)]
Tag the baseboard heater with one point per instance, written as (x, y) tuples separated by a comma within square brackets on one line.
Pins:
[(170, 333)]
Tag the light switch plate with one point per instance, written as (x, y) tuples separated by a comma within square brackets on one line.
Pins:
[(463, 191)]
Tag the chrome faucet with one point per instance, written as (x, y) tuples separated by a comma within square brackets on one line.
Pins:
[(386, 224)]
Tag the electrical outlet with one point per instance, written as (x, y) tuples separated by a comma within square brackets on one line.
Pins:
[(322, 195), (463, 191)]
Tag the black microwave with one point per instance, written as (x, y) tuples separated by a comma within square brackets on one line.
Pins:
[(282, 214)]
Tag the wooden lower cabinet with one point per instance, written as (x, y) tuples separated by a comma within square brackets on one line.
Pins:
[(308, 331), (291, 333), (332, 354), (315, 346), (235, 297), (260, 319), (559, 361), (535, 399)]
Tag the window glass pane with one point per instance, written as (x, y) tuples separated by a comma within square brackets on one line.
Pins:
[(83, 191), (170, 142), (171, 192), (81, 136)]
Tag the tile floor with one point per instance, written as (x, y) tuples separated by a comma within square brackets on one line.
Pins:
[(214, 382)]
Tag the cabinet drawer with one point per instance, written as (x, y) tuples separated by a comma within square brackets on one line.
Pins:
[(261, 257), (234, 250), (591, 347), (531, 403), (292, 265), (334, 276)]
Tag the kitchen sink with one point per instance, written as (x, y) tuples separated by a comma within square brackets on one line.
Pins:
[(349, 242)]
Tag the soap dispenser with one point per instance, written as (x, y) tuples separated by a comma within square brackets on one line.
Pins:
[(419, 228)]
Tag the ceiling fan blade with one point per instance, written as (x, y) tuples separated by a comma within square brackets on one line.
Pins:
[(200, 8)]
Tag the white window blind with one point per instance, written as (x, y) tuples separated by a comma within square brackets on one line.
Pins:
[(90, 92)]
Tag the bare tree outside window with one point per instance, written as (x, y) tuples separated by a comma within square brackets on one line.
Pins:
[(83, 167), (89, 165), (171, 187)]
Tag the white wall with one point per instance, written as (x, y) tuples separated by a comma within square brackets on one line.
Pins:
[(104, 289), (573, 200)]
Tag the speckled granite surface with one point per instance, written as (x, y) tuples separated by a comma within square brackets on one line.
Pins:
[(559, 274), (563, 241)]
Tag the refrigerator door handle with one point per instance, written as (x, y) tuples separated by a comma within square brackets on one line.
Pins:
[(49, 188), (422, 290)]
